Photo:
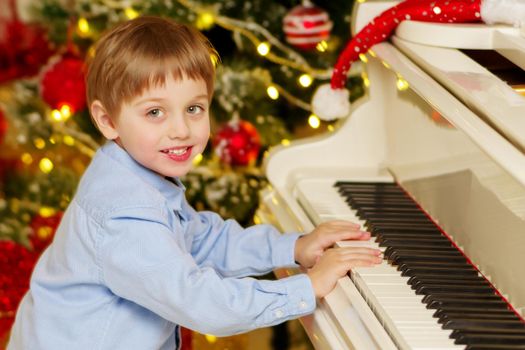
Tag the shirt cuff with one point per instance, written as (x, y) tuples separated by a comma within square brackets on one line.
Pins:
[(283, 253), (301, 298)]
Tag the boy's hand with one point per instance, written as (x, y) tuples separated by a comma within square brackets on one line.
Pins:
[(336, 262), (310, 247)]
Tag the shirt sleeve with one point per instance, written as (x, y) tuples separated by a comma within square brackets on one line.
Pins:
[(235, 251), (143, 262)]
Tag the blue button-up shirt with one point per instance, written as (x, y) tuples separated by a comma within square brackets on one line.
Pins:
[(131, 260)]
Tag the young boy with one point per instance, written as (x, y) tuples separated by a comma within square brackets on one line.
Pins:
[(131, 260)]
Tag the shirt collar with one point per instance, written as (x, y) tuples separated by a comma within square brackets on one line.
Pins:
[(170, 188)]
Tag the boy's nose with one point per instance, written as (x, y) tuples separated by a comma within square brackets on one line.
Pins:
[(178, 128)]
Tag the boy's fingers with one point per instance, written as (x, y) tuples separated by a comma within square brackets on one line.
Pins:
[(344, 235), (343, 224), (350, 251)]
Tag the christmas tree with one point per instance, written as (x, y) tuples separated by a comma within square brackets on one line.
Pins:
[(273, 55)]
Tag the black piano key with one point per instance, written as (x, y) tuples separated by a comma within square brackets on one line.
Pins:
[(466, 297), (446, 309), (509, 316), (495, 347), (406, 237), (356, 203), (375, 190), (413, 271), (407, 232), (395, 219), (370, 200), (389, 209), (378, 214), (481, 325), (429, 289), (438, 277), (473, 338), (439, 303), (417, 243), (378, 190), (417, 259), (402, 227), (392, 252)]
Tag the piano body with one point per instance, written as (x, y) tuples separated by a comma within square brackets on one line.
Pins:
[(443, 121)]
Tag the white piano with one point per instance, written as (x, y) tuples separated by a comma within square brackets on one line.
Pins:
[(442, 122)]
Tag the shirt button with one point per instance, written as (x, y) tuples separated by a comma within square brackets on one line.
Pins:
[(279, 313), (303, 304)]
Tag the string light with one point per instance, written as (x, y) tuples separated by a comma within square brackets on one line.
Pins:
[(83, 27), (26, 158), (263, 48), (46, 165), (131, 13), (402, 84), (205, 20), (210, 338), (46, 211), (65, 110), (198, 158), (272, 92), (68, 140), (366, 81), (314, 121), (363, 58), (285, 142), (56, 115), (39, 143), (321, 46), (305, 80)]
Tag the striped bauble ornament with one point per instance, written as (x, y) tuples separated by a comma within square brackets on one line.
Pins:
[(306, 25)]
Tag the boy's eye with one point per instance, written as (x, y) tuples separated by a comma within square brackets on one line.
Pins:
[(155, 113), (195, 109)]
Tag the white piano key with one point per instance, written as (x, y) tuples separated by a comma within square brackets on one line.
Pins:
[(400, 309)]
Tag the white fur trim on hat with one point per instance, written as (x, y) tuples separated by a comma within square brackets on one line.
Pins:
[(503, 11), (329, 104)]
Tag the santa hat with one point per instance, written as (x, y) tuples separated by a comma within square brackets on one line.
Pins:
[(331, 101)]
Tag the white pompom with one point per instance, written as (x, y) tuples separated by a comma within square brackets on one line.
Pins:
[(329, 104), (503, 11)]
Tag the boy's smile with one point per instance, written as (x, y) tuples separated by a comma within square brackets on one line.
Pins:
[(166, 126)]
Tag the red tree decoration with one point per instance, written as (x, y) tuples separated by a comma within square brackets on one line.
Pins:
[(3, 126), (306, 25), (23, 48), (237, 143), (63, 83), (16, 265)]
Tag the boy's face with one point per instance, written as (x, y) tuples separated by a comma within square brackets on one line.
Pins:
[(167, 126)]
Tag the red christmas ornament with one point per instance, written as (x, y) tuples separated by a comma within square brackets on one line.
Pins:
[(306, 25), (331, 101), (63, 83), (17, 263), (23, 49), (237, 143), (3, 126)]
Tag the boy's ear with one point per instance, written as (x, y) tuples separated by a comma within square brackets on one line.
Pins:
[(103, 120)]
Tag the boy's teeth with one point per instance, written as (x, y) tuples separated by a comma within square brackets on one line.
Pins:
[(177, 152)]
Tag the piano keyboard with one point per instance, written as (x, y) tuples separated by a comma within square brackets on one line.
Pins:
[(427, 284), (426, 293)]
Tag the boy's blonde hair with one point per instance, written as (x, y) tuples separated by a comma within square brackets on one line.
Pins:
[(140, 53)]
